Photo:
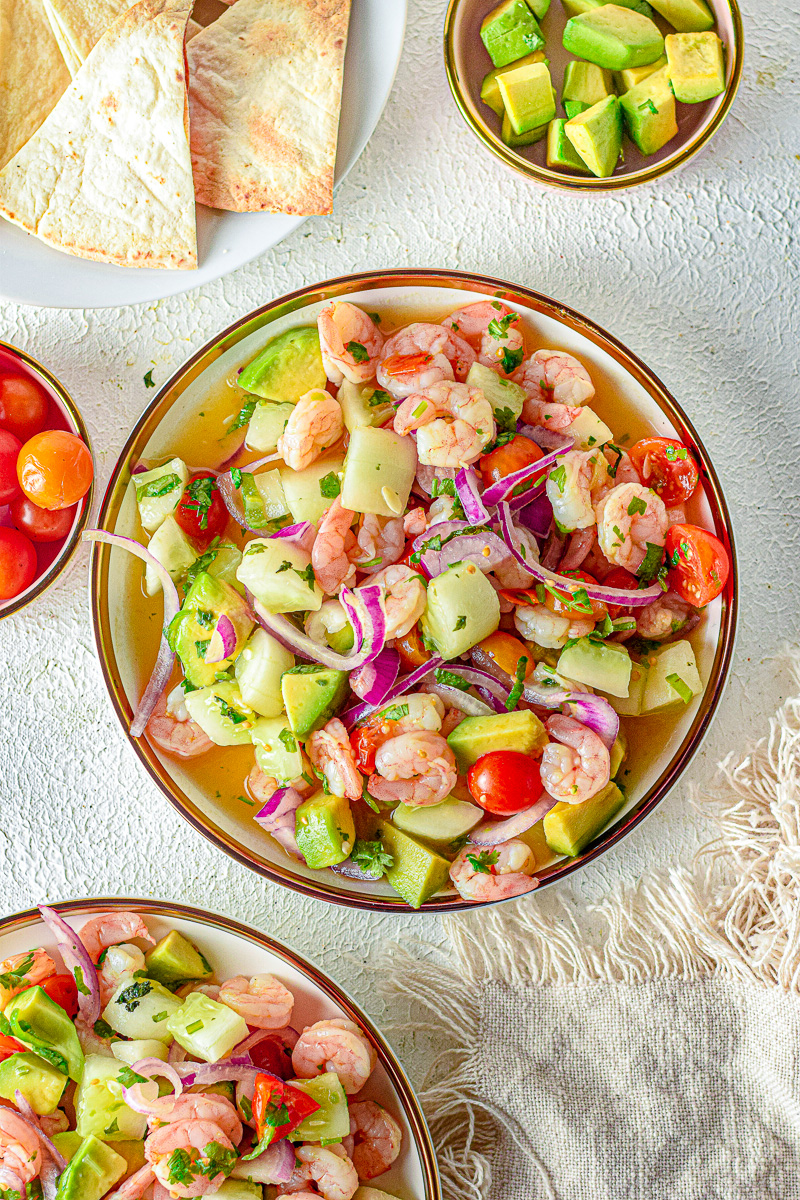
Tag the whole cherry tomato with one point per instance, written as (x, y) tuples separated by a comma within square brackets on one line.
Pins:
[(10, 446), (24, 406), (9, 1046), (515, 454), (506, 650), (63, 990), (201, 512), (697, 564), (565, 604), (55, 469), (411, 649), (505, 782), (666, 466), (17, 563), (41, 524), (270, 1055), (620, 578)]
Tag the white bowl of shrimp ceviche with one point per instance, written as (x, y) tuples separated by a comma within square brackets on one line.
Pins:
[(438, 593), (150, 1052)]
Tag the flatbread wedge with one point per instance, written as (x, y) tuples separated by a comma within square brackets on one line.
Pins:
[(108, 175), (32, 73), (78, 25), (265, 87)]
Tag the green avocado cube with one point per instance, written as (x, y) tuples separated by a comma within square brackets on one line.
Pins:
[(586, 83), (511, 31), (475, 736), (696, 66), (525, 139), (597, 136), (176, 960), (614, 37), (311, 696), (417, 872), (648, 111), (324, 830), (289, 366), (527, 96), (92, 1172), (574, 108), (560, 151), (43, 1027), (490, 94), (569, 828), (687, 16), (67, 1143), (574, 8), (625, 80), (41, 1084)]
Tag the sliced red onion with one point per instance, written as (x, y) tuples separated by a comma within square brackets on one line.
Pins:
[(177, 1054), (277, 818), (230, 1069), (48, 1178), (580, 543), (494, 833), (223, 640), (150, 1068), (374, 680), (360, 712), (29, 1117), (537, 515), (505, 486), (365, 609), (442, 529), (163, 667), (548, 439), (275, 1165), (467, 487), (595, 713), (478, 677), (492, 702), (302, 644), (10, 1179), (485, 550), (294, 533), (454, 697), (351, 870), (76, 959)]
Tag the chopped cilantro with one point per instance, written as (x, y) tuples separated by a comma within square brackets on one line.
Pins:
[(676, 452), (233, 714), (460, 623), (379, 397), (613, 467), (499, 326), (308, 575), (511, 359), (148, 379), (358, 353), (396, 713), (519, 683), (131, 997), (650, 106), (506, 420), (245, 413), (236, 476), (180, 1166), (112, 1128), (287, 738), (369, 800), (680, 686), (559, 477), (79, 981), (637, 505), (128, 1077), (330, 486), (201, 497), (202, 563), (651, 562), (371, 857), (285, 566), (376, 317), (201, 646), (450, 679), (103, 1029), (483, 861)]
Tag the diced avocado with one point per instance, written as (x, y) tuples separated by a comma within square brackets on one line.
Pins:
[(597, 664), (170, 545), (687, 16), (277, 751), (239, 1189), (631, 705), (587, 83), (511, 31), (417, 872), (221, 713), (618, 753), (258, 672), (67, 1143), (371, 1193), (311, 696), (539, 8), (522, 139), (490, 92), (100, 1109), (43, 1026), (310, 492), (672, 678), (462, 609), (331, 1119), (560, 151), (695, 66), (441, 823), (475, 736), (363, 404), (378, 471), (587, 429), (527, 96), (190, 632), (159, 491), (280, 575), (505, 397), (648, 111), (574, 108), (133, 1153), (92, 1172), (176, 960), (597, 136), (266, 425), (130, 1052), (614, 37), (41, 1084), (140, 1008), (288, 367), (574, 8), (625, 80), (324, 830), (205, 1028), (569, 828)]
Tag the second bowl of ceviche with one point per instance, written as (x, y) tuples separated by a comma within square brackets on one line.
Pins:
[(438, 594)]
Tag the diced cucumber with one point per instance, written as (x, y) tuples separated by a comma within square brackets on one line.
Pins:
[(310, 492), (378, 471), (205, 1028), (570, 828), (271, 493), (324, 830), (462, 609), (140, 1008), (221, 713), (311, 695), (158, 492), (331, 1120), (630, 705), (266, 425), (100, 1109), (587, 429), (441, 823), (92, 1172), (505, 397), (221, 562), (175, 960), (672, 678), (258, 672), (417, 871), (239, 1189), (475, 736), (131, 1052), (363, 404), (43, 1026), (289, 366), (277, 751), (41, 1084), (604, 665), (280, 575), (170, 545)]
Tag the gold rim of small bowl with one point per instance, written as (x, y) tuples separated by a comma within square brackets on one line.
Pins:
[(580, 183), (386, 1055), (334, 289), (59, 564)]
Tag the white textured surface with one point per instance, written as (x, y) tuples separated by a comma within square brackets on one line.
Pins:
[(697, 274)]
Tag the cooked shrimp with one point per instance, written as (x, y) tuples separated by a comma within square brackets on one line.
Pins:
[(120, 962), (415, 768), (135, 1186), (454, 423), (550, 630), (380, 541), (335, 1045), (195, 1138), (421, 355), (173, 730), (315, 423), (492, 329), (417, 711), (452, 718), (330, 1169), (404, 599), (22, 971), (622, 468), (443, 508), (511, 574), (415, 522), (330, 751), (350, 341), (20, 1152), (109, 929), (200, 1106), (629, 518), (262, 1000), (330, 553), (552, 376), (663, 617), (377, 1138), (54, 1122), (576, 764), (494, 872), (571, 487)]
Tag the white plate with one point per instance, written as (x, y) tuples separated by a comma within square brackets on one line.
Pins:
[(33, 273), (232, 949)]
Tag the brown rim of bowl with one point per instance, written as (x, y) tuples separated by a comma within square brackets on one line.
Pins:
[(343, 286), (17, 603), (579, 183), (386, 1055)]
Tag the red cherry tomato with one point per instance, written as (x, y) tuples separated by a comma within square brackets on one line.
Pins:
[(507, 459), (63, 990), (278, 1108), (9, 1046), (697, 564), (411, 650), (505, 782), (41, 524), (201, 513), (273, 1057), (666, 466), (365, 741), (24, 406), (55, 469), (17, 563), (10, 446), (620, 578)]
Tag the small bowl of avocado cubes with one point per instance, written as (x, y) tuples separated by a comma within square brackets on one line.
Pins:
[(589, 94)]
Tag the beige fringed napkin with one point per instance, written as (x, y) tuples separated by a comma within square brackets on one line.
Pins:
[(659, 1060)]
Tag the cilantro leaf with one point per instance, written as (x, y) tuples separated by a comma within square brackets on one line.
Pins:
[(158, 487), (330, 486), (371, 858), (245, 413), (358, 353), (148, 379), (483, 862)]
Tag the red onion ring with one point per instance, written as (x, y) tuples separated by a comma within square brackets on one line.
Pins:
[(302, 644), (231, 1069), (467, 488), (223, 640), (494, 833), (76, 957), (504, 487), (275, 1165), (29, 1117), (453, 697), (277, 818), (548, 439), (360, 712), (374, 680), (485, 550), (444, 529), (537, 515), (351, 870)]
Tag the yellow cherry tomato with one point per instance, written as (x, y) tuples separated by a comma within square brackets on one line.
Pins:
[(55, 469)]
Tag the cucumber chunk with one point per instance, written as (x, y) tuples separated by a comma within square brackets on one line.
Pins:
[(100, 1110), (569, 828), (158, 492), (441, 823), (130, 1052), (672, 678), (170, 545), (310, 493), (363, 404), (587, 429), (461, 609), (140, 1008), (221, 713), (280, 575), (379, 470), (41, 1084), (205, 1028), (601, 665), (277, 751), (505, 397), (239, 1189), (331, 1120), (258, 672), (266, 425)]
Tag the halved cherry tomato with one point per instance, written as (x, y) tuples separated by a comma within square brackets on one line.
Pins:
[(620, 578), (564, 603), (508, 458), (62, 989), (411, 650), (697, 564), (9, 1046), (365, 741), (10, 446), (666, 466), (505, 782), (24, 406), (18, 562), (278, 1108), (506, 650), (55, 469), (41, 524), (201, 512), (272, 1057)]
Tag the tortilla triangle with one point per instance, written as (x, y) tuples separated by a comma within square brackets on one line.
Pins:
[(78, 25), (27, 95)]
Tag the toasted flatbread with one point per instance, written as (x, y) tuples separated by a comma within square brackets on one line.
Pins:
[(78, 25), (265, 87), (32, 73), (108, 175)]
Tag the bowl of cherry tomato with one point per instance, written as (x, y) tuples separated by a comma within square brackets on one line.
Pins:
[(46, 477)]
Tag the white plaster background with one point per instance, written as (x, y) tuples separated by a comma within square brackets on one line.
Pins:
[(697, 274)]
